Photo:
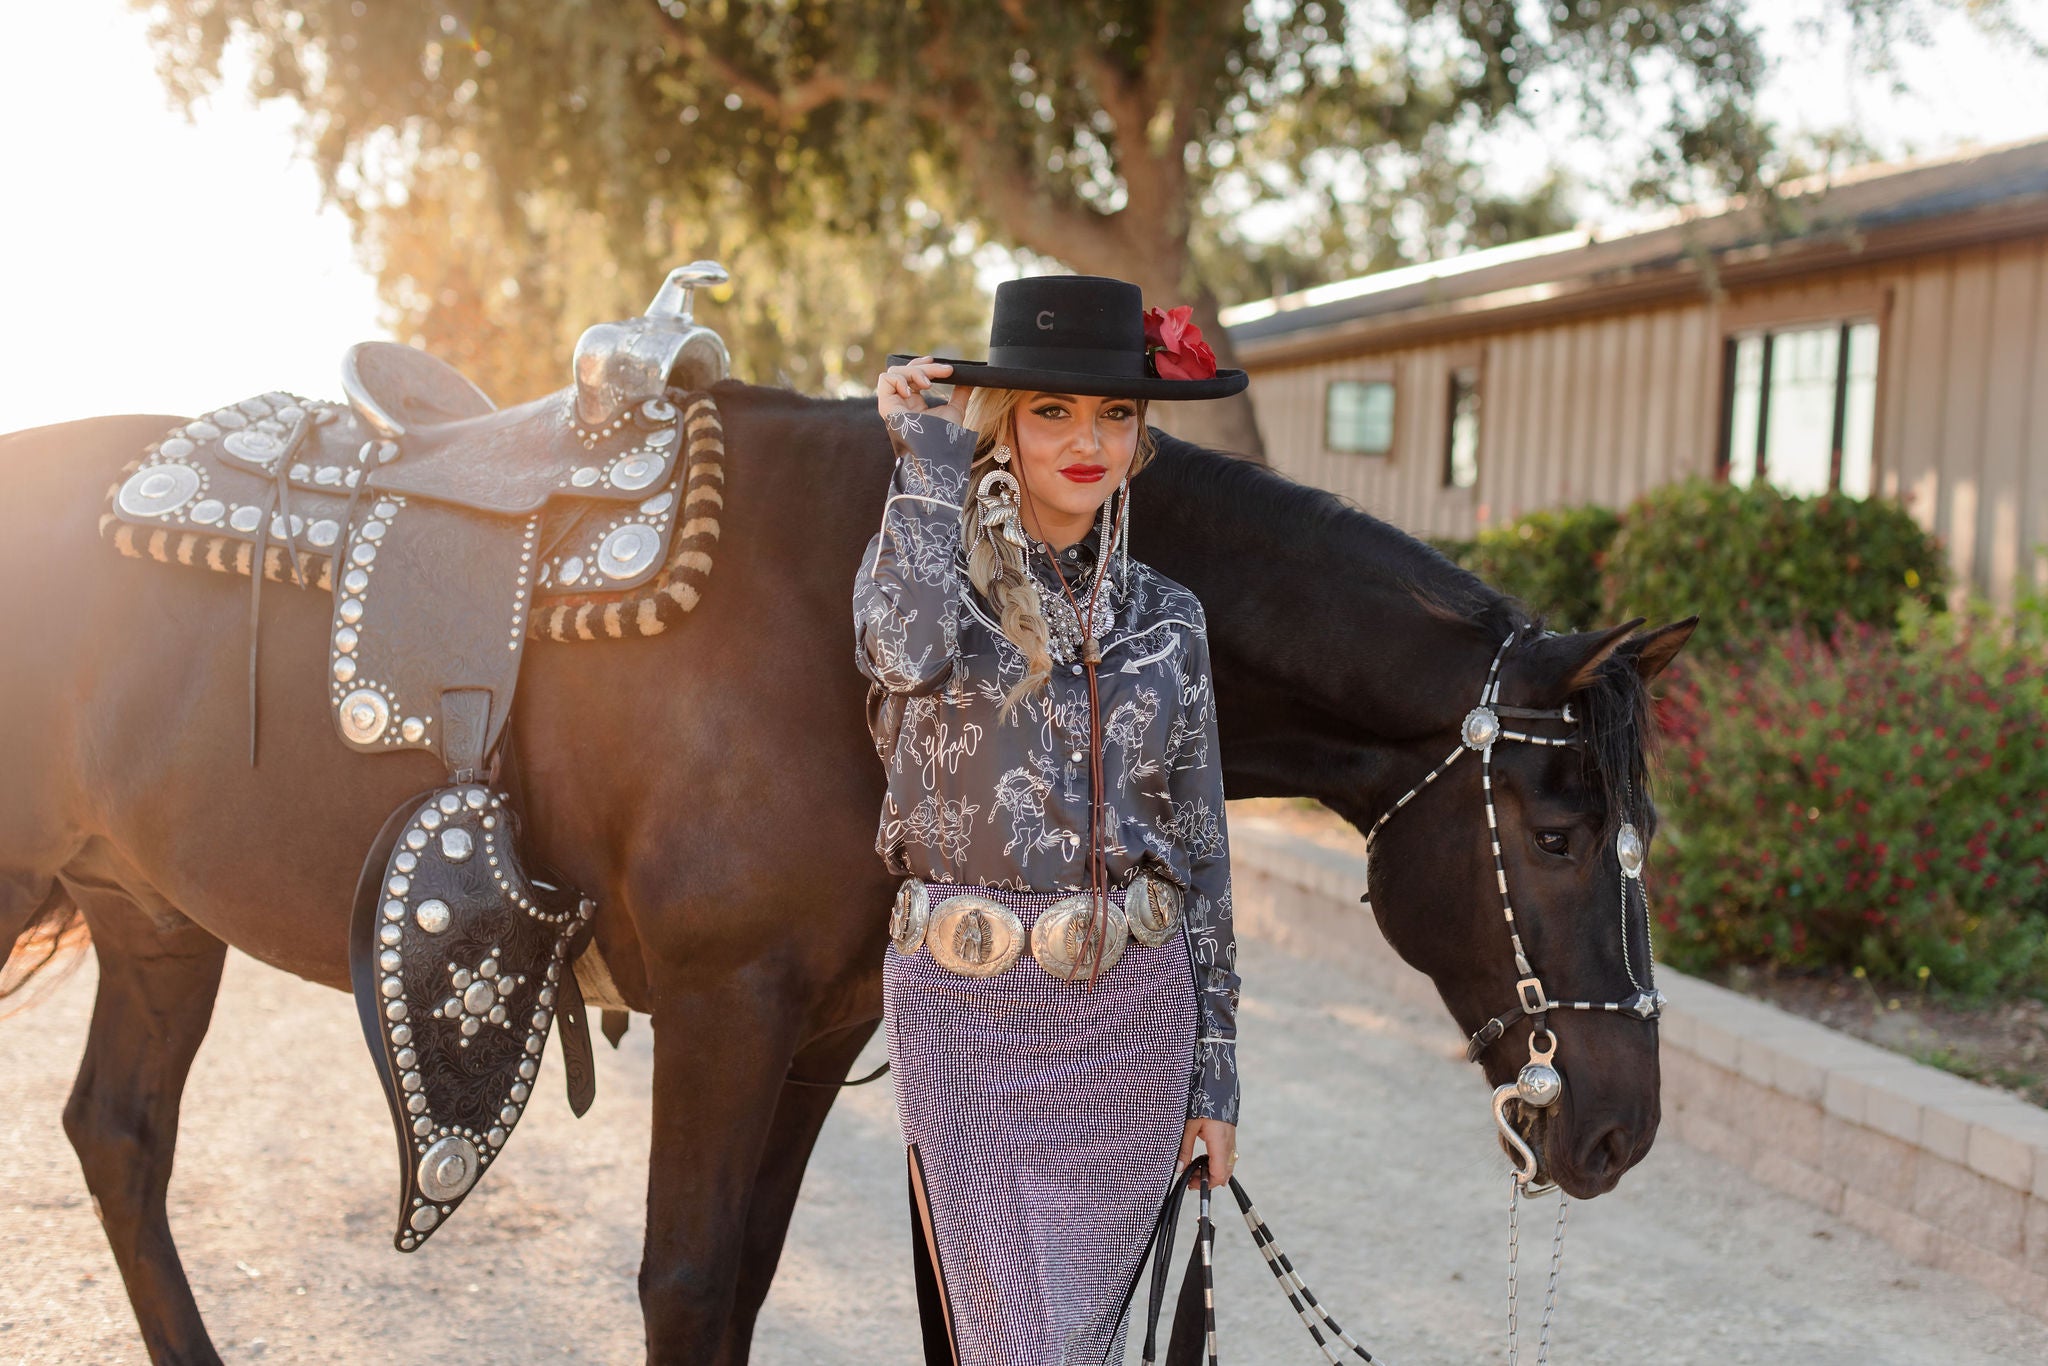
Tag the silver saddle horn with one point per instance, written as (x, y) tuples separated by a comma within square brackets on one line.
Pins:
[(618, 365)]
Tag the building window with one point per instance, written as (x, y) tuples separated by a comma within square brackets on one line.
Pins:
[(1358, 415), (1802, 408), (1461, 439)]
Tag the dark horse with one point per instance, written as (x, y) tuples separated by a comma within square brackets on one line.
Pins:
[(714, 787)]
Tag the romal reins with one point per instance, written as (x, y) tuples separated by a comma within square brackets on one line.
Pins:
[(1539, 1085)]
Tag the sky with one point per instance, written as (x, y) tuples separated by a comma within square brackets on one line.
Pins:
[(148, 264)]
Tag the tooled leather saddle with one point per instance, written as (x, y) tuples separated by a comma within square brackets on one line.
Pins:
[(448, 532)]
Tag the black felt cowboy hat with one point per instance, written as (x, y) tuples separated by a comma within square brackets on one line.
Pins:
[(1075, 334)]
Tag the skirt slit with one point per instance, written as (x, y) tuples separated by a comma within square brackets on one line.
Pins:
[(934, 1305)]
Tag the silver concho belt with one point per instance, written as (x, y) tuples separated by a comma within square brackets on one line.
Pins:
[(978, 936)]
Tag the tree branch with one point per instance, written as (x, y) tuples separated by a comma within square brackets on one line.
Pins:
[(1155, 190), (1034, 219)]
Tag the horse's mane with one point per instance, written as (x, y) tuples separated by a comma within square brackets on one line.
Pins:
[(1615, 707), (1436, 583)]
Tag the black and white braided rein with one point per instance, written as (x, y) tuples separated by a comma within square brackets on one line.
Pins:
[(1320, 1324), (1324, 1328), (1336, 1345)]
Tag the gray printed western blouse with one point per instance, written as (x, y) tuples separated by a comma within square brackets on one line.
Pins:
[(973, 800)]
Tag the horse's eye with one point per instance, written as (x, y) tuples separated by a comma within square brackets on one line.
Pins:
[(1552, 842)]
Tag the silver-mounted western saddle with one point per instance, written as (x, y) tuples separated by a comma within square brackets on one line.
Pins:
[(448, 531)]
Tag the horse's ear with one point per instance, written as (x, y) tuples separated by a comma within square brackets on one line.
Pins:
[(1654, 651), (1564, 664)]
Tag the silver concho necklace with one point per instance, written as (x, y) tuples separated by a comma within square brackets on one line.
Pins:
[(1063, 634), (1062, 628)]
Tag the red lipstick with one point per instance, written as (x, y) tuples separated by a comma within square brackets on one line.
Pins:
[(1084, 474)]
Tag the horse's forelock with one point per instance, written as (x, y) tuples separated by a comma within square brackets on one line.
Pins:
[(1619, 731)]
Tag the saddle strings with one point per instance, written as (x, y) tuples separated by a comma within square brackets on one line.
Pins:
[(278, 504)]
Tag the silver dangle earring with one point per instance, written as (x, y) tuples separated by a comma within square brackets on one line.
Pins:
[(1123, 532), (1001, 507)]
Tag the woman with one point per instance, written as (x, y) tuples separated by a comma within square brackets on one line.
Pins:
[(1060, 992)]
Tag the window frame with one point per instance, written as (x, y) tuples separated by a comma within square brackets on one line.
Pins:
[(1769, 324), (1364, 376), (1465, 364)]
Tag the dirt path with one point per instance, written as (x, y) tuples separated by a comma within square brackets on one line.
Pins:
[(1366, 1144)]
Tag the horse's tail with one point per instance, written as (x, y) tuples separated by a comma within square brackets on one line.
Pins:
[(52, 934)]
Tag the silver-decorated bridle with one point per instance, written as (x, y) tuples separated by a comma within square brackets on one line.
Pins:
[(1481, 730), (1539, 1084)]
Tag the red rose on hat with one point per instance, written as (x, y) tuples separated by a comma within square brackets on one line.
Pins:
[(1174, 348)]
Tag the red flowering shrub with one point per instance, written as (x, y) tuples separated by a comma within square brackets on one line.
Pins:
[(1872, 800)]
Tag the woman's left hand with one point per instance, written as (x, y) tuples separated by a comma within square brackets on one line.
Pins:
[(1219, 1141)]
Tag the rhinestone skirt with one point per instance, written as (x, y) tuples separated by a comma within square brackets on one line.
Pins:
[(1047, 1119)]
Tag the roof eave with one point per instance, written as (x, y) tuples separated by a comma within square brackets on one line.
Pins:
[(1685, 277)]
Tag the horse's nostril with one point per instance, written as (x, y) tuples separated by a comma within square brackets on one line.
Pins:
[(1609, 1152)]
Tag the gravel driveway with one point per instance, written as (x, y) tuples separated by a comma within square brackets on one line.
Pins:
[(1367, 1146)]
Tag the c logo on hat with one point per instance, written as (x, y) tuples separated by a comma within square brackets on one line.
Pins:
[(1045, 320)]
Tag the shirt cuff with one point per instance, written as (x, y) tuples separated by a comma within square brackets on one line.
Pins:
[(1215, 1091)]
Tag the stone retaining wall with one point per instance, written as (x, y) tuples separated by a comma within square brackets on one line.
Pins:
[(1951, 1173)]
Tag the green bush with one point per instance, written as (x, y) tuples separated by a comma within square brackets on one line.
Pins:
[(1550, 560), (1872, 800), (1753, 562)]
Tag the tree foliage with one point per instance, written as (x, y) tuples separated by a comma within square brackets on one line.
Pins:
[(845, 154)]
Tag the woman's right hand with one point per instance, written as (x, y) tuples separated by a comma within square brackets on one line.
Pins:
[(900, 388)]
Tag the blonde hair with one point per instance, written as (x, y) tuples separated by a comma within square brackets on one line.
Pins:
[(994, 565)]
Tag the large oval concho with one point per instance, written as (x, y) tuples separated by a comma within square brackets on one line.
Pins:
[(463, 963), (1064, 937), (1630, 849), (911, 913), (1152, 905), (976, 936)]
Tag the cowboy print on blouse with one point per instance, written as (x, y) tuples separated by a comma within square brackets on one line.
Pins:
[(972, 799)]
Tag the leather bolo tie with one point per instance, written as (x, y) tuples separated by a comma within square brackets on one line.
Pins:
[(1091, 656)]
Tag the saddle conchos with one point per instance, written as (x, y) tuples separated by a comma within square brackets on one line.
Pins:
[(449, 532)]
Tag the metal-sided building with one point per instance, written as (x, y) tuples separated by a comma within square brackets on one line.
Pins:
[(1887, 332)]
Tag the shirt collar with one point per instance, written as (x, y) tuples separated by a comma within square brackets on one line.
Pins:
[(1077, 568), (1080, 555)]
